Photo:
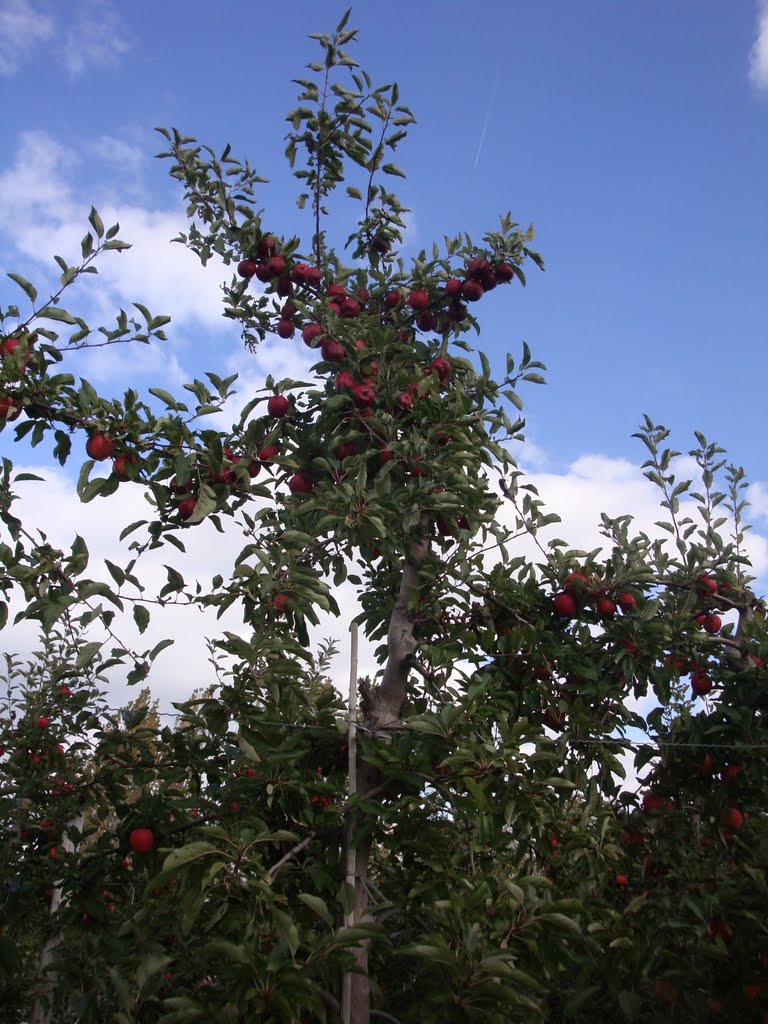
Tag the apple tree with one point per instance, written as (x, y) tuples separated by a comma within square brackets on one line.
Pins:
[(458, 840)]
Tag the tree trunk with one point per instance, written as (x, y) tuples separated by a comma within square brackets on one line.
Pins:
[(381, 707)]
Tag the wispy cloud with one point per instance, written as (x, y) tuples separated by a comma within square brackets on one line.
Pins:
[(758, 60), (91, 35), (96, 37), (22, 29)]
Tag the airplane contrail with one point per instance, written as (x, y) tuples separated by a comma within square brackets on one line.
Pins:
[(487, 115)]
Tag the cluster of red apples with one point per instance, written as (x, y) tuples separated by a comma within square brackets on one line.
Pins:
[(434, 306)]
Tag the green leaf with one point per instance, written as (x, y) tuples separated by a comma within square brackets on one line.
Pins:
[(29, 289), (191, 852), (96, 222), (141, 616), (57, 313), (319, 906)]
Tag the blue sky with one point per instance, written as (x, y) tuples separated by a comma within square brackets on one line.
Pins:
[(633, 136)]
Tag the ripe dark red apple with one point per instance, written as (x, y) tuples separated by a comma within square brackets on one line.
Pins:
[(267, 246), (141, 840), (701, 684), (285, 329), (453, 287), (64, 691), (186, 507), (300, 484), (363, 395), (706, 586), (99, 447), (247, 268), (442, 368), (280, 602), (332, 350), (711, 623), (472, 291), (393, 299), (665, 992), (43, 722), (564, 605), (278, 406), (627, 602), (504, 272), (336, 291), (418, 300), (314, 277), (576, 583), (731, 773), (299, 273), (268, 452), (478, 268), (653, 802), (120, 466), (276, 266), (405, 400), (350, 308), (605, 607), (310, 333), (344, 450), (344, 380), (731, 818)]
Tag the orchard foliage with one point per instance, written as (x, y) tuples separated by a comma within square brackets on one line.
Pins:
[(464, 844)]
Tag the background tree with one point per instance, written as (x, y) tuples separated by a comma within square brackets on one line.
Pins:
[(459, 845)]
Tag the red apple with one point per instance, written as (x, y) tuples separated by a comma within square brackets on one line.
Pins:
[(472, 291), (706, 586), (576, 583), (504, 272), (442, 368), (418, 300), (711, 623), (266, 246), (310, 333), (314, 276), (268, 452), (350, 308), (393, 299), (280, 602), (247, 268), (300, 484), (731, 773), (278, 406), (605, 607), (99, 447), (141, 840), (627, 602), (331, 350), (565, 605), (363, 395), (120, 466), (276, 266), (285, 329), (186, 507), (8, 347), (731, 818), (453, 287), (701, 684), (43, 722), (653, 802), (64, 691), (299, 273), (336, 291)]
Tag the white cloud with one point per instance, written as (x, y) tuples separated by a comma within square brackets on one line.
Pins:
[(22, 30), (95, 37), (758, 59), (42, 212)]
